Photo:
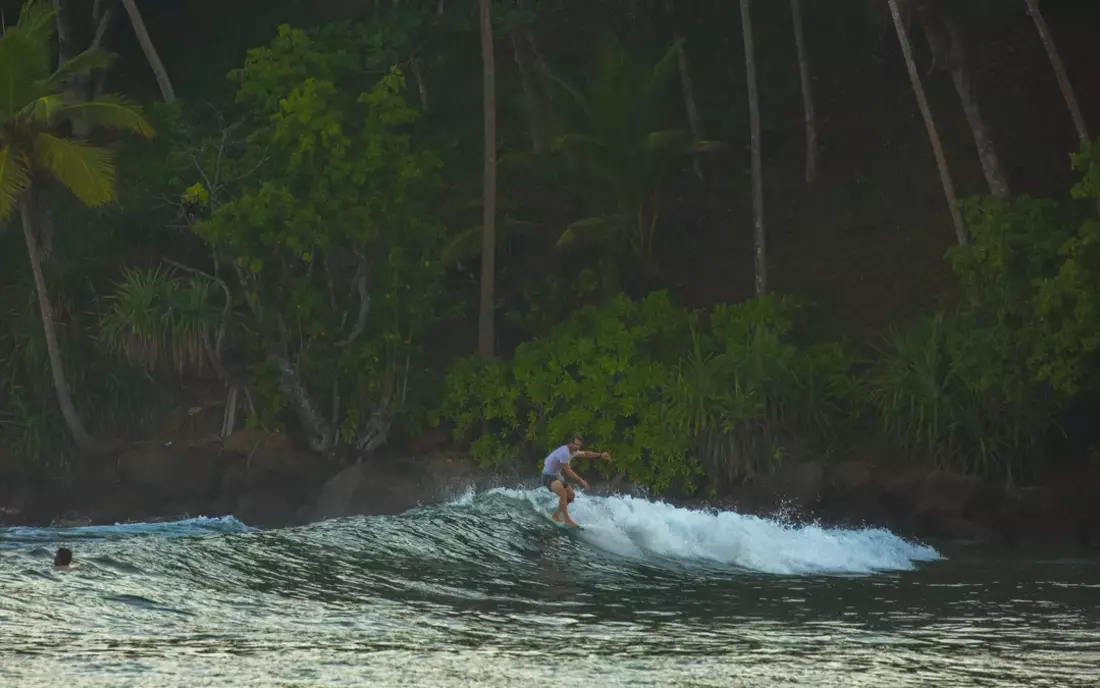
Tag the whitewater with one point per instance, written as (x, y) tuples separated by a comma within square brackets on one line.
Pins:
[(483, 590)]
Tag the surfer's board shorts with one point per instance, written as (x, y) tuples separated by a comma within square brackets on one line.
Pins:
[(548, 481)]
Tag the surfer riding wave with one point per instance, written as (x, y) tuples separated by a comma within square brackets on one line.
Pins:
[(557, 475)]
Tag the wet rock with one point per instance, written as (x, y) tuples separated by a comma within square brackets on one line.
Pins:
[(267, 510), (259, 460), (170, 470), (374, 488)]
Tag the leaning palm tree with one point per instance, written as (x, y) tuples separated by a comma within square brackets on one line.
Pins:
[(36, 114), (151, 55), (485, 326), (929, 122)]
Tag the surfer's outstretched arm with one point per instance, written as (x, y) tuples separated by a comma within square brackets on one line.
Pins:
[(573, 477)]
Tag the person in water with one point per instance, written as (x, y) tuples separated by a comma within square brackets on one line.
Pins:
[(557, 475), (64, 558)]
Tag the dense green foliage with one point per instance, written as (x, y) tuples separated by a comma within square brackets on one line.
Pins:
[(303, 225), (668, 395)]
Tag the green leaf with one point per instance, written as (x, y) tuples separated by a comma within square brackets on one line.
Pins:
[(14, 179), (86, 170), (110, 112), (584, 227), (41, 111), (84, 63)]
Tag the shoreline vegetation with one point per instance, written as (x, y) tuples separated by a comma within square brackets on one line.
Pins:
[(369, 257)]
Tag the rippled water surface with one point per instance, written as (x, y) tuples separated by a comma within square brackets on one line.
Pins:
[(486, 591)]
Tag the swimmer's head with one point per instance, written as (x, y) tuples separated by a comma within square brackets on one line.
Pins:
[(64, 557)]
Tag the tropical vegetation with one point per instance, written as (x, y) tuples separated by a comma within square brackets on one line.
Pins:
[(504, 219)]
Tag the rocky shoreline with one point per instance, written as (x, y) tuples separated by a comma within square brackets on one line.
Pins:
[(265, 481)]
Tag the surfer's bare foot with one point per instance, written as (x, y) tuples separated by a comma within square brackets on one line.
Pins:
[(556, 517), (571, 523)]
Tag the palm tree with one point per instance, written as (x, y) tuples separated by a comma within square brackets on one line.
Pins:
[(34, 148), (166, 90), (807, 91), (612, 138), (757, 171), (945, 39), (485, 329), (1059, 72), (929, 122), (687, 87)]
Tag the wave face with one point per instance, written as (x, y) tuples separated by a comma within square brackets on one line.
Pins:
[(485, 590), (655, 532)]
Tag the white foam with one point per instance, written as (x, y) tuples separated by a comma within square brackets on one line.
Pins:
[(466, 498), (642, 529)]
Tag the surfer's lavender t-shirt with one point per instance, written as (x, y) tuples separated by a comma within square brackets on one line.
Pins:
[(558, 459)]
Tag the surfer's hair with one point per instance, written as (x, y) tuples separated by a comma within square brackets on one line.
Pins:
[(578, 438), (64, 557)]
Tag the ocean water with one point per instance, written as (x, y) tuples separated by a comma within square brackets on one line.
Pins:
[(485, 591)]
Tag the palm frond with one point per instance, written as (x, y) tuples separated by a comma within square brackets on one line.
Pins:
[(707, 146), (574, 141), (586, 227), (663, 71), (111, 112), (87, 61), (86, 170), (463, 245), (467, 243), (14, 179), (22, 62), (670, 140), (42, 110), (573, 96), (36, 21)]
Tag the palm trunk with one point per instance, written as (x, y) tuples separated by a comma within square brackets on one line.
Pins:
[(688, 89), (1059, 72), (530, 97), (987, 151), (64, 36), (1062, 77), (757, 167), (421, 86), (166, 90), (929, 123), (807, 92), (949, 53), (485, 329), (57, 369)]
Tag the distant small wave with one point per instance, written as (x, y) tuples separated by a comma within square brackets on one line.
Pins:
[(201, 525)]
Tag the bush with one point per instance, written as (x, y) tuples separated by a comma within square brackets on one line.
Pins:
[(750, 397), (602, 373), (669, 399), (960, 395), (977, 391), (111, 396)]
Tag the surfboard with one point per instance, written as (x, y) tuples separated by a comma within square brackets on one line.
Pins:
[(562, 525)]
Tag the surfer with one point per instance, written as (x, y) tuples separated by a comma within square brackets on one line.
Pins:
[(63, 559), (557, 475)]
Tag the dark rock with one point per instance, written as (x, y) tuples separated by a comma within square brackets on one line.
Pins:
[(268, 510), (794, 489), (170, 470), (269, 461), (849, 476), (801, 484), (374, 489)]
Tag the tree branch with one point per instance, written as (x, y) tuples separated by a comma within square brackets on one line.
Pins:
[(104, 17), (364, 304)]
